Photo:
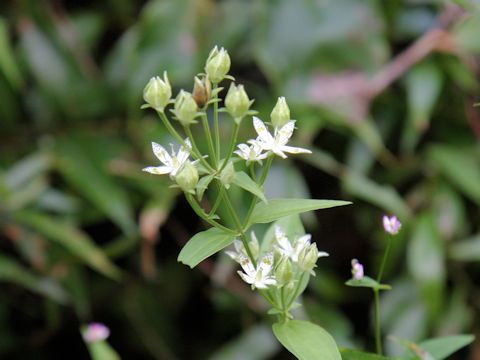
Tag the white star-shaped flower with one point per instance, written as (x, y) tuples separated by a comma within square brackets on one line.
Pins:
[(293, 251), (254, 152), (257, 277), (171, 163), (278, 142)]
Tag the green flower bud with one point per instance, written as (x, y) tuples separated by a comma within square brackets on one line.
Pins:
[(307, 259), (237, 102), (227, 175), (218, 65), (280, 114), (185, 108), (201, 91), (187, 178), (284, 271), (158, 92)]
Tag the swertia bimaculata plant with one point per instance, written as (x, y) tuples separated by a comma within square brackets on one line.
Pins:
[(279, 267)]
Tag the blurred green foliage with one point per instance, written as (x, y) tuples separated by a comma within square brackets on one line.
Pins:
[(384, 91)]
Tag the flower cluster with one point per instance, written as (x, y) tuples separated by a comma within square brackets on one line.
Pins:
[(284, 264)]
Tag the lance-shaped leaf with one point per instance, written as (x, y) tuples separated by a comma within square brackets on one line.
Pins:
[(367, 282), (348, 354), (306, 340), (278, 208), (203, 245), (245, 182), (71, 238)]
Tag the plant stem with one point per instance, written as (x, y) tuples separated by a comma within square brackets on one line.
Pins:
[(252, 171), (295, 293), (262, 180), (177, 136), (208, 134), (195, 148), (217, 201), (384, 261), (200, 212), (231, 147), (215, 124), (378, 332)]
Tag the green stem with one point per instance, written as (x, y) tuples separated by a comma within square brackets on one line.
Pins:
[(201, 213), (266, 169), (195, 153), (378, 331), (215, 124), (208, 134), (231, 147), (384, 261), (295, 293), (196, 150), (252, 171), (217, 201)]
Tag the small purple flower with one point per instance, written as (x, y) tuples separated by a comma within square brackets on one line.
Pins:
[(357, 270), (391, 224), (96, 332)]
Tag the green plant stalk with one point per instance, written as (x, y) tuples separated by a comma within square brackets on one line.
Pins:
[(218, 200), (252, 171), (384, 261), (195, 147), (177, 136), (295, 293), (215, 124), (208, 134), (266, 169), (231, 147), (378, 331), (200, 212)]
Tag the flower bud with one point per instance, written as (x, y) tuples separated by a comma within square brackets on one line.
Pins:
[(157, 92), (227, 175), (185, 108), (357, 270), (218, 65), (187, 178), (201, 91), (280, 114), (237, 102), (308, 257), (254, 245), (284, 271)]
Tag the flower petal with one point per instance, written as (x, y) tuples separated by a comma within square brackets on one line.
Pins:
[(162, 154), (158, 170), (262, 131), (285, 133), (294, 150)]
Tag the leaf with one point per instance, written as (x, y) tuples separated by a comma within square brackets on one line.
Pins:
[(442, 347), (306, 340), (95, 184), (278, 208), (245, 182), (203, 245), (348, 354), (8, 64), (466, 250), (203, 185), (384, 196), (460, 167), (11, 271), (426, 262), (367, 282), (71, 238)]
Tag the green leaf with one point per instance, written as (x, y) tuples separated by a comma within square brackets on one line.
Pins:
[(348, 354), (245, 182), (8, 64), (278, 208), (367, 282), (306, 340), (460, 167), (71, 238), (441, 348), (95, 184), (11, 271), (203, 245), (466, 250), (203, 185)]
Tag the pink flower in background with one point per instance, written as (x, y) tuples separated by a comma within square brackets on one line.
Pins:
[(96, 332), (357, 270), (391, 224)]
